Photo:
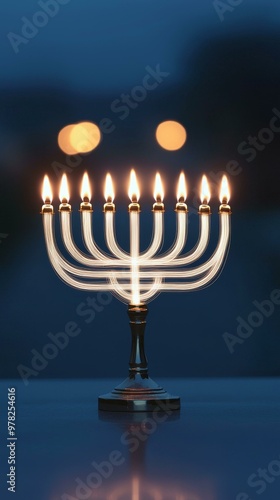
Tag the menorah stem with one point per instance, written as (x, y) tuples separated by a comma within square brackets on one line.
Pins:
[(138, 392), (134, 253), (138, 364)]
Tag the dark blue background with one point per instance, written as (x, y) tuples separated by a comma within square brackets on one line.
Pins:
[(223, 83)]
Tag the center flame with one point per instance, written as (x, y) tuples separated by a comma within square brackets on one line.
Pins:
[(64, 191), (47, 190), (85, 189), (109, 189), (133, 190), (182, 188), (158, 191), (224, 192), (205, 191)]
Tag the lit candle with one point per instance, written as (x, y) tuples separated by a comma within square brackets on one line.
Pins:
[(204, 208), (158, 195), (85, 194), (109, 195), (181, 194), (224, 196), (64, 195), (47, 197)]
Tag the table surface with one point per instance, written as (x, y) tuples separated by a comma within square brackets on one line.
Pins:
[(224, 443)]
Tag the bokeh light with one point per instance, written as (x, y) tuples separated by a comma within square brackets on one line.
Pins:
[(79, 138), (85, 137), (64, 140), (171, 135)]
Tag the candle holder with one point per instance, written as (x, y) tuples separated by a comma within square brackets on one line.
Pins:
[(136, 277)]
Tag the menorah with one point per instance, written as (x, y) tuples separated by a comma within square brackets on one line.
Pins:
[(136, 277)]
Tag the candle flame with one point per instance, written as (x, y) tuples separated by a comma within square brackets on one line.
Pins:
[(182, 188), (47, 190), (85, 189), (224, 192), (64, 191), (133, 190), (109, 189), (205, 191), (158, 191)]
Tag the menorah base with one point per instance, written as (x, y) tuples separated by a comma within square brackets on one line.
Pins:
[(138, 394)]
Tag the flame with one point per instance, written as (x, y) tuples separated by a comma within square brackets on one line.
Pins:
[(205, 191), (64, 191), (85, 190), (133, 190), (109, 189), (224, 192), (47, 190), (158, 191), (182, 188)]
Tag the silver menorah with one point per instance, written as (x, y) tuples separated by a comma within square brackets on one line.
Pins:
[(136, 277)]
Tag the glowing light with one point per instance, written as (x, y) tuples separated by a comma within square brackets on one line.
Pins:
[(47, 190), (171, 135), (158, 191), (63, 140), (85, 189), (64, 191), (224, 192), (205, 191), (133, 191), (109, 189), (84, 137), (79, 138), (182, 188)]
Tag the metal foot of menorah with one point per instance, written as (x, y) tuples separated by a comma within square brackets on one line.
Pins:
[(136, 277), (138, 392)]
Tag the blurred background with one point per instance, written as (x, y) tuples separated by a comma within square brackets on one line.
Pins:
[(212, 68)]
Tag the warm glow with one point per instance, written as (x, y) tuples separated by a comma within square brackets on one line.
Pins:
[(85, 190), (171, 135), (63, 140), (133, 190), (158, 191), (84, 137), (64, 191), (182, 188), (224, 192), (79, 138), (47, 190), (109, 189), (205, 191)]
